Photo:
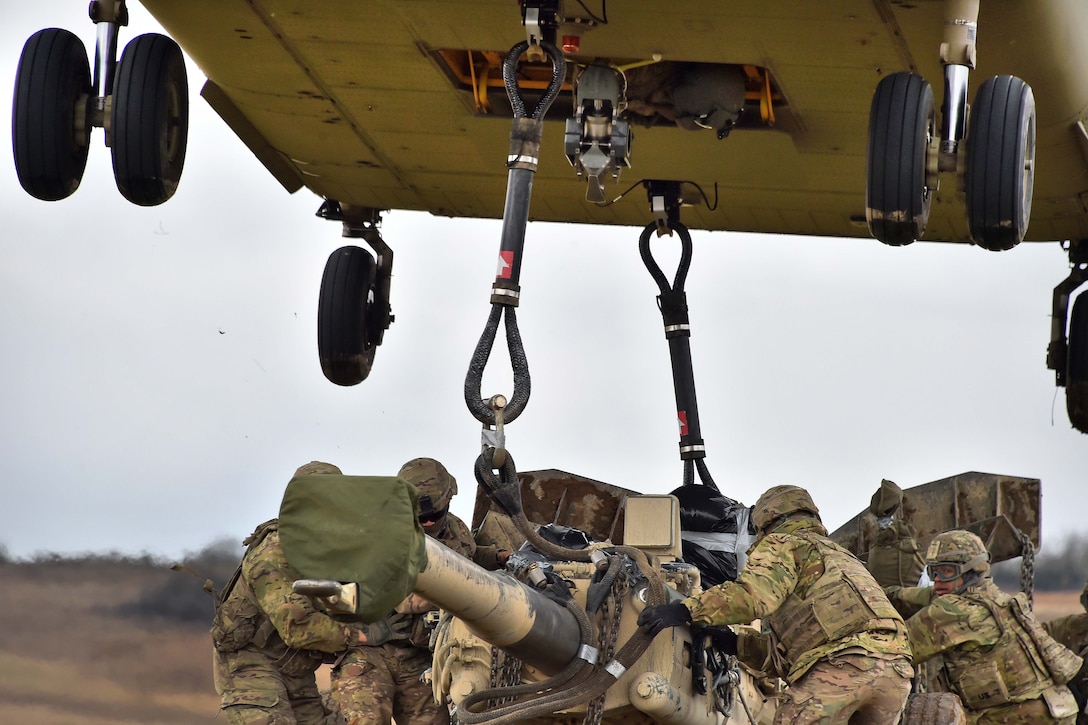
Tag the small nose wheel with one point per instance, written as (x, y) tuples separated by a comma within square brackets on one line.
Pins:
[(342, 314), (353, 309)]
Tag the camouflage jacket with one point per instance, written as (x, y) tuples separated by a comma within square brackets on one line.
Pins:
[(782, 579), (1072, 631), (456, 535), (894, 556), (991, 657), (261, 611)]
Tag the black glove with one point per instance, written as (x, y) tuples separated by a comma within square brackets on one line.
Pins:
[(654, 619), (384, 631), (724, 639)]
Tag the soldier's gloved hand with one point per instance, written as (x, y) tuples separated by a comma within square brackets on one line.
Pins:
[(384, 631), (654, 619), (724, 639)]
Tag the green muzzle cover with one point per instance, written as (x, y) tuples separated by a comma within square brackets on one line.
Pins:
[(360, 529)]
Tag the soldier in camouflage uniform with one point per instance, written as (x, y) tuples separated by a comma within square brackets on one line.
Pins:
[(379, 680), (1072, 631), (999, 660), (268, 640), (894, 557), (828, 628)]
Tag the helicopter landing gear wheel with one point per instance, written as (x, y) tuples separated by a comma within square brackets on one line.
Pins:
[(50, 125), (1000, 163), (1076, 387), (345, 341), (898, 193), (150, 119), (934, 708)]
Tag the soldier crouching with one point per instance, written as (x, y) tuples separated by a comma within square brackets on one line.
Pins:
[(830, 631), (378, 679), (1000, 661), (268, 640)]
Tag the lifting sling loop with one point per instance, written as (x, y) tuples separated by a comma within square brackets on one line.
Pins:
[(673, 304), (522, 162)]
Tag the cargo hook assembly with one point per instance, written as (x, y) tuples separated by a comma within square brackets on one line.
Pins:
[(673, 304), (522, 163)]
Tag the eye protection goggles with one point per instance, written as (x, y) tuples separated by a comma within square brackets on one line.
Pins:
[(945, 568)]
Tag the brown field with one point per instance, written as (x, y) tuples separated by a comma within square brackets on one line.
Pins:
[(1051, 605), (67, 658)]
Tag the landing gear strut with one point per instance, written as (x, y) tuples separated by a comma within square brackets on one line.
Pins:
[(1067, 355)]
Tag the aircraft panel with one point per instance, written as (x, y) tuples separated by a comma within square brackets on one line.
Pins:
[(352, 87)]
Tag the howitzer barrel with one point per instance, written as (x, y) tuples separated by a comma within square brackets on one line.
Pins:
[(500, 609)]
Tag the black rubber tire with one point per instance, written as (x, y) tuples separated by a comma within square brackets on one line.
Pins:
[(343, 346), (52, 90), (149, 123), (1000, 163), (1076, 376), (901, 122), (934, 708)]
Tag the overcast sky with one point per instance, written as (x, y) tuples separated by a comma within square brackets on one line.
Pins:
[(160, 382)]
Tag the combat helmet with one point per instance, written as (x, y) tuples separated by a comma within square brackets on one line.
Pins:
[(315, 467), (781, 501), (435, 484), (960, 549)]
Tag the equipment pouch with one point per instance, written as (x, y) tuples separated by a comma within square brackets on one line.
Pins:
[(1060, 702), (981, 686), (234, 624), (1062, 663)]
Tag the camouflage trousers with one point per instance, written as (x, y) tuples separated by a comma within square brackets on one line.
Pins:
[(373, 685), (847, 688), (255, 692)]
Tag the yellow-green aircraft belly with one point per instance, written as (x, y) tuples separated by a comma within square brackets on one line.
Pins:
[(352, 99)]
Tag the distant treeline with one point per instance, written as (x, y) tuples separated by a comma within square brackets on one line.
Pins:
[(181, 598), (1061, 567)]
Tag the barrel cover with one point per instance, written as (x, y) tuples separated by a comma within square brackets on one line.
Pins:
[(360, 529)]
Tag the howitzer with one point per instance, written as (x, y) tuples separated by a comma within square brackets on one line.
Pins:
[(553, 638)]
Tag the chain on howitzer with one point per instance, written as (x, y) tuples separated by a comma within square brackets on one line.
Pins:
[(1027, 566), (607, 621), (505, 672)]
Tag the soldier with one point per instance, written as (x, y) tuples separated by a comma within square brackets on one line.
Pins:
[(380, 679), (1072, 631), (829, 629), (268, 640), (894, 556), (998, 659)]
